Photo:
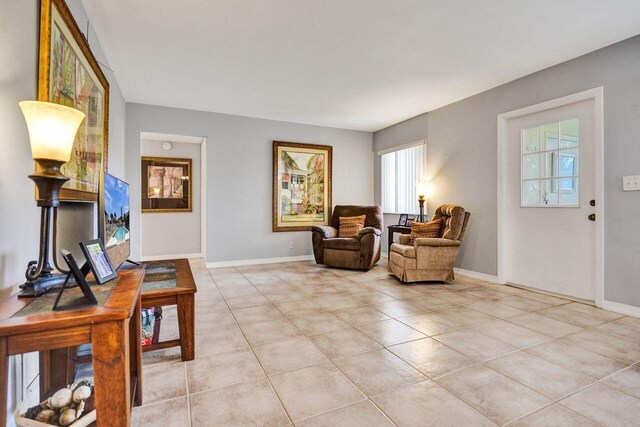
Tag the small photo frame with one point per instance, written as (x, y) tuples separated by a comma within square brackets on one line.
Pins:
[(98, 260), (409, 222), (78, 275), (403, 219)]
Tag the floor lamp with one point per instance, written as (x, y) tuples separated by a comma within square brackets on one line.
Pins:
[(52, 130), (421, 189)]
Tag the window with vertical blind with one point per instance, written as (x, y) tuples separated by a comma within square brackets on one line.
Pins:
[(401, 170)]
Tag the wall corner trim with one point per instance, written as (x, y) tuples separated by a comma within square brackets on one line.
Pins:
[(239, 262), (477, 275), (618, 307)]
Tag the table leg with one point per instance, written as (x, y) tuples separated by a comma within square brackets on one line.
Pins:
[(135, 347), (4, 380), (110, 346), (186, 325), (390, 242)]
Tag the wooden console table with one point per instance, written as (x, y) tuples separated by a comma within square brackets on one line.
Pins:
[(28, 325), (157, 290), (402, 229)]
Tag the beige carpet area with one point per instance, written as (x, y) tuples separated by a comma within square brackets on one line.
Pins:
[(305, 345)]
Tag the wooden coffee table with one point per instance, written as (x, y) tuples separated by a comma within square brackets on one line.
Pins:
[(158, 291)]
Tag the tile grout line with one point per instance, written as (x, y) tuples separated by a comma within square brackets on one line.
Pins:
[(254, 353), (366, 398), (186, 380), (554, 401)]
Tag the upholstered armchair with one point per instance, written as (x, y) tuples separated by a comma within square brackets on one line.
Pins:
[(361, 252), (431, 258)]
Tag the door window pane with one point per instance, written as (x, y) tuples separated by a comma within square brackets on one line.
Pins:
[(569, 133), (531, 140), (569, 192), (550, 157), (549, 166), (549, 136), (531, 166), (568, 162), (549, 192), (531, 193)]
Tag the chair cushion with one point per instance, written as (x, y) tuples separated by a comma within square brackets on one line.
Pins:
[(346, 244), (404, 250), (430, 229), (402, 261), (350, 225)]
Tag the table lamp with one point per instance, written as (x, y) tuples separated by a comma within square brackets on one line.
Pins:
[(52, 130)]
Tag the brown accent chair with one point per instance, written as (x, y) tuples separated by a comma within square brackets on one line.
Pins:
[(361, 252), (428, 258)]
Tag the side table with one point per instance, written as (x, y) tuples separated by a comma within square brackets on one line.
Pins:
[(392, 229), (112, 327), (157, 291)]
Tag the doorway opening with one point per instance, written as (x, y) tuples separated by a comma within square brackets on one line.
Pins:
[(171, 235)]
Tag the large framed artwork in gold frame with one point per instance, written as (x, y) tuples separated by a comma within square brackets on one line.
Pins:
[(70, 75), (301, 185)]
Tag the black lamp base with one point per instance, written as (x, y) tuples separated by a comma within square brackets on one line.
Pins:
[(49, 180), (37, 287)]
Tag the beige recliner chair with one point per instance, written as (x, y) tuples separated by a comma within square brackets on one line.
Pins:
[(431, 258)]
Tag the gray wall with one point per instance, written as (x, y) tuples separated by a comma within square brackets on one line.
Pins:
[(239, 163), (19, 216), (462, 156), (156, 228)]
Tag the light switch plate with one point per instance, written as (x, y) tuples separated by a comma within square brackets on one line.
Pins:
[(631, 183)]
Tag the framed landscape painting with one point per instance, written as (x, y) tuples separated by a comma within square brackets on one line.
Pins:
[(166, 185), (70, 75), (301, 185)]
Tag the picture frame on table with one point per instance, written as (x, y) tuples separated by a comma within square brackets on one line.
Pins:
[(98, 260), (301, 186), (403, 220), (69, 74), (79, 276)]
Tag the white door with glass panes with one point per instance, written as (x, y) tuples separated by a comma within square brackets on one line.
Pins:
[(551, 191)]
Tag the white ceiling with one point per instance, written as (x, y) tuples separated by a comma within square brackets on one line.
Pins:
[(355, 64)]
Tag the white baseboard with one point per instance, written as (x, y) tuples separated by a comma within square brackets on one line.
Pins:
[(257, 261), (170, 256), (476, 275), (617, 307)]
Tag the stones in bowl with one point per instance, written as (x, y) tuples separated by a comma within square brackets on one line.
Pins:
[(64, 407)]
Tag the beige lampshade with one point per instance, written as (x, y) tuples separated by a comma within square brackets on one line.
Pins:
[(52, 129), (422, 188)]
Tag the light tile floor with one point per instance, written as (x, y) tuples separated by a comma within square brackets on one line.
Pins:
[(297, 343)]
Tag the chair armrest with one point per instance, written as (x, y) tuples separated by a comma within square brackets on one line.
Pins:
[(404, 239), (425, 241), (326, 231), (368, 230)]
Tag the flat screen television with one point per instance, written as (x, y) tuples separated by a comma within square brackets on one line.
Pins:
[(113, 218)]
